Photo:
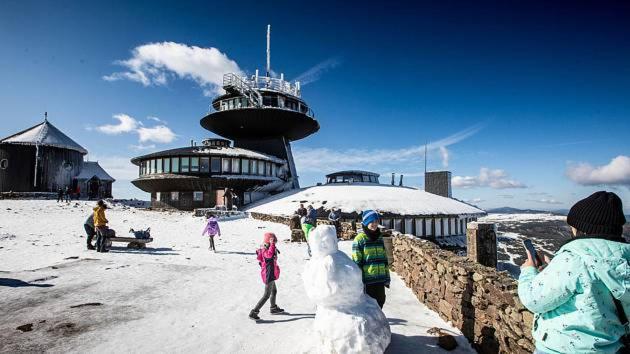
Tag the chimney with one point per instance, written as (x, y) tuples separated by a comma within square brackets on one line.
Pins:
[(393, 178), (192, 143), (400, 183), (438, 182)]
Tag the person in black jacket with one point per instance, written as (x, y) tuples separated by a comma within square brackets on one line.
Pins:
[(88, 225)]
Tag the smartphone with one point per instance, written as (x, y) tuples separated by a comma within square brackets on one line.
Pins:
[(530, 248)]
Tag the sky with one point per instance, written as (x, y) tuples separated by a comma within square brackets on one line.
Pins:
[(527, 103)]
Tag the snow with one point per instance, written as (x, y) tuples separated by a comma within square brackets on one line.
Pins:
[(521, 217), (44, 134), (358, 197), (174, 296), (346, 320)]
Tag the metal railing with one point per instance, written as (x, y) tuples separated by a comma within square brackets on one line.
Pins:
[(243, 87), (261, 83)]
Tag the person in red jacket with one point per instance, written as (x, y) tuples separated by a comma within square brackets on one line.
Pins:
[(270, 272)]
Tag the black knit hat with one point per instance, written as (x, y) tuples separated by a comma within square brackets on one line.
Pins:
[(599, 214)]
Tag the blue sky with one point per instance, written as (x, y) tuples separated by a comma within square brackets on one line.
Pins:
[(527, 103)]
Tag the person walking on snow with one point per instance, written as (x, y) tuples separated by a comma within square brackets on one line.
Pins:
[(368, 252), (309, 221), (581, 299), (100, 224), (212, 229), (267, 256), (88, 225)]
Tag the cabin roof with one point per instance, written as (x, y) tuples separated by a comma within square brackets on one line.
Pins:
[(91, 169), (44, 134)]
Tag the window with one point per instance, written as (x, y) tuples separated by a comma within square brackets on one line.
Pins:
[(205, 164), (215, 165), (274, 170), (253, 167), (198, 196), (261, 167), (175, 196), (151, 166), (194, 164), (245, 165), (67, 165), (167, 165), (366, 178), (175, 164), (143, 168), (225, 164), (4, 163), (268, 164), (185, 164), (236, 165), (159, 165), (158, 195)]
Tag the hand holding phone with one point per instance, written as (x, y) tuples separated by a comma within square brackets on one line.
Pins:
[(529, 246)]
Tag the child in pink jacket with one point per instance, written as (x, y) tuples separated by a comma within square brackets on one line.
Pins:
[(212, 229), (270, 272)]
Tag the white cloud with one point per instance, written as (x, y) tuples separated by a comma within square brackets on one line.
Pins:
[(158, 134), (119, 167), (496, 179), (506, 196), (313, 74), (474, 201), (156, 63), (327, 160), (125, 124), (545, 201), (155, 119), (616, 172), (444, 154)]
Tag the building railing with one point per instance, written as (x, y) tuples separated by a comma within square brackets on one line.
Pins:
[(243, 102), (256, 82)]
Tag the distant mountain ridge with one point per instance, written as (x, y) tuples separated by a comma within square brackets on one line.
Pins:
[(510, 210)]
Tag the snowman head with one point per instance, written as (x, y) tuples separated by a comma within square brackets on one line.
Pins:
[(323, 240)]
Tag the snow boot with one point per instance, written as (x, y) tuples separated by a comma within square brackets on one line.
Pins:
[(253, 314), (275, 310), (91, 248)]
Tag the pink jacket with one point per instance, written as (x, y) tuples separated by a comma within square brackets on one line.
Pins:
[(212, 228), (267, 258)]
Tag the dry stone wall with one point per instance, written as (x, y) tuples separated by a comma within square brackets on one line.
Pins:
[(479, 300)]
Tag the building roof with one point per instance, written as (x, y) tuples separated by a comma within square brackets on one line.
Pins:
[(352, 172), (44, 134), (357, 197), (209, 150), (93, 169)]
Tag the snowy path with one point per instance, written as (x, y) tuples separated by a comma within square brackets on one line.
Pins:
[(175, 297)]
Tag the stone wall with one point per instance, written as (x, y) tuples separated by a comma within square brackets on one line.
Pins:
[(479, 300)]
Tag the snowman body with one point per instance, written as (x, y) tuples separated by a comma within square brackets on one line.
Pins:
[(346, 320)]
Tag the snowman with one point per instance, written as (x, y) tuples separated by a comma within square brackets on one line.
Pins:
[(346, 320)]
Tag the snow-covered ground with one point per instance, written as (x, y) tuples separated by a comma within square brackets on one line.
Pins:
[(174, 296)]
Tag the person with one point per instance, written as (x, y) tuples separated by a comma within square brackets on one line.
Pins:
[(301, 211), (88, 225), (309, 221), (67, 194), (334, 217), (212, 229), (59, 195), (368, 252), (580, 296), (267, 256), (100, 223)]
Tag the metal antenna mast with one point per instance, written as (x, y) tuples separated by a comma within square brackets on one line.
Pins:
[(268, 49)]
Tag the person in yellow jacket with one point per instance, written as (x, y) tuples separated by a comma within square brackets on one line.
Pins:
[(100, 224)]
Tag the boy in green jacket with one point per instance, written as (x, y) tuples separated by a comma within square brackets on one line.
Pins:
[(368, 252), (573, 298)]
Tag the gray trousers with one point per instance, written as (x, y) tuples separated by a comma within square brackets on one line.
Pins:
[(270, 291)]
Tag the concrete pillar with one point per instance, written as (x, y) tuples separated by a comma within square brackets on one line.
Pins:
[(481, 243)]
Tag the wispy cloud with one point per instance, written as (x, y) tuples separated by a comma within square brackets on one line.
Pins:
[(313, 74), (616, 172), (474, 200), (326, 160), (545, 201), (496, 179), (506, 196), (156, 63), (127, 124)]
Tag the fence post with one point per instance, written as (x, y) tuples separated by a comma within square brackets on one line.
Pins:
[(481, 243)]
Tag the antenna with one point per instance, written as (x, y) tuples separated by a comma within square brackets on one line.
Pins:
[(45, 116), (268, 49)]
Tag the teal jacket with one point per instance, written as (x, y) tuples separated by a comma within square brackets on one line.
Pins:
[(572, 297)]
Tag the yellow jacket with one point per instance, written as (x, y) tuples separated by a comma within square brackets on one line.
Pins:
[(99, 217)]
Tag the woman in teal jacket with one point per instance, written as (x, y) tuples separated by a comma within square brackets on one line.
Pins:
[(572, 298)]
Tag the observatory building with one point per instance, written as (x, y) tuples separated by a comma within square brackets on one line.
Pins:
[(261, 116)]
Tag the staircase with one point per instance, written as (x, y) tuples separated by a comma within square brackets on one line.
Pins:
[(234, 83)]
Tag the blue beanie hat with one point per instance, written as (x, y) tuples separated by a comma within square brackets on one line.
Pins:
[(369, 216)]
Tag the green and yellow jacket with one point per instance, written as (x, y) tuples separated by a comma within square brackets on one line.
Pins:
[(371, 258)]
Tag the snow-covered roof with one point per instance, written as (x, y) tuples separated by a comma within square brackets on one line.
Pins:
[(44, 134), (359, 196), (91, 169)]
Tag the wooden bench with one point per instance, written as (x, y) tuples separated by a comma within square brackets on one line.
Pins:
[(132, 242)]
